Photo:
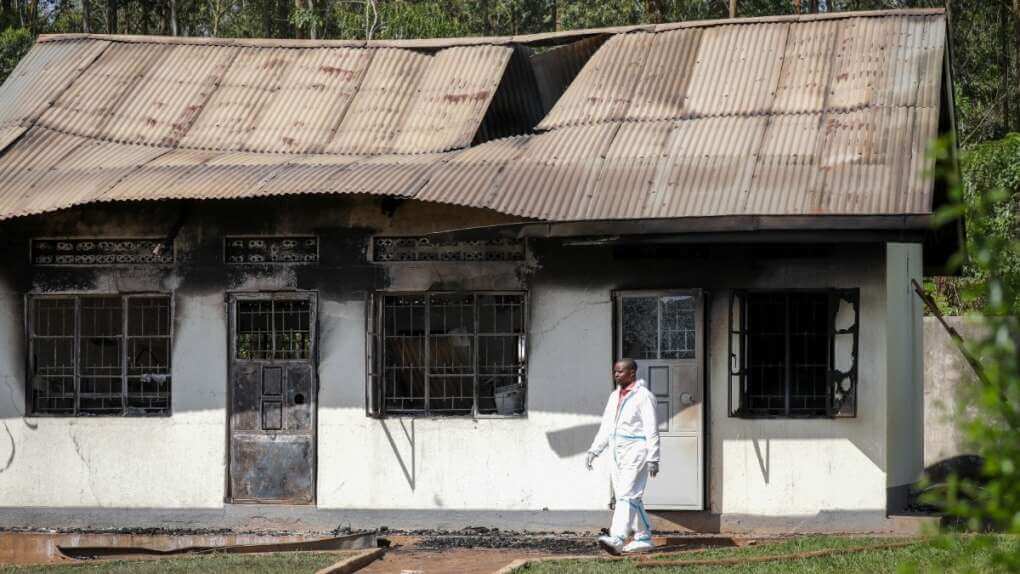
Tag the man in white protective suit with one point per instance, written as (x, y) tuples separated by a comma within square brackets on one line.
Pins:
[(631, 432)]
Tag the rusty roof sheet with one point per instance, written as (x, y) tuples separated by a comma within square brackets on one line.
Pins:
[(341, 100), (778, 116), (759, 68)]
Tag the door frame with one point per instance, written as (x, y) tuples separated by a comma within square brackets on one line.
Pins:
[(230, 300), (702, 359)]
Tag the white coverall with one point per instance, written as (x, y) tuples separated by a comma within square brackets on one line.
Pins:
[(632, 435)]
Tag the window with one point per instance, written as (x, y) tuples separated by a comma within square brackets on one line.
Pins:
[(273, 329), (106, 355), (447, 354), (658, 327), (793, 353)]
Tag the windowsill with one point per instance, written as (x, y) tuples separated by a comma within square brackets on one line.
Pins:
[(89, 417), (450, 417), (792, 417)]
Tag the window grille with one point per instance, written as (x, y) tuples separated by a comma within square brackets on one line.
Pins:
[(793, 353), (106, 355), (423, 248), (271, 250), (273, 329), (447, 354), (102, 252)]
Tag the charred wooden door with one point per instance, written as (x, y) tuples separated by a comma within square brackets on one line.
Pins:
[(272, 398)]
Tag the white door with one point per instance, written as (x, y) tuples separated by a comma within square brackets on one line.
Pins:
[(662, 331)]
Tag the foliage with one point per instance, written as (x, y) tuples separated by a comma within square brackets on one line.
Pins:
[(929, 556), (991, 188), (989, 413), (14, 43), (990, 203)]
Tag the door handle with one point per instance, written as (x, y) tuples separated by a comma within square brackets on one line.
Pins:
[(686, 399)]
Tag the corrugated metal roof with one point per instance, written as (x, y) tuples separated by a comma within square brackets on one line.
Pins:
[(758, 69), (605, 86), (753, 117), (41, 76), (451, 99), (556, 68), (345, 100)]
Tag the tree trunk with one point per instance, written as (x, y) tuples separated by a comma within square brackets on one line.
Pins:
[(1004, 49), (146, 16), (733, 8), (111, 16), (312, 32), (86, 13), (1016, 42), (33, 15), (173, 17)]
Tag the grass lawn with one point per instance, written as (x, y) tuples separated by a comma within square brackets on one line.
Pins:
[(306, 562), (926, 556)]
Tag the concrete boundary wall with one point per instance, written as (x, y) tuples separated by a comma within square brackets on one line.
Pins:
[(946, 372)]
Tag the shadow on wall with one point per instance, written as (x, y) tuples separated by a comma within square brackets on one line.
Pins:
[(407, 463), (571, 441)]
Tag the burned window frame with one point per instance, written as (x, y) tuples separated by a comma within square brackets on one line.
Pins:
[(842, 386), (125, 336), (236, 299), (375, 396)]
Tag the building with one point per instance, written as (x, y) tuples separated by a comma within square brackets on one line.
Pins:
[(384, 283)]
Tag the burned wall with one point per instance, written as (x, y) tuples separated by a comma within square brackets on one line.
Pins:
[(88, 461), (763, 468)]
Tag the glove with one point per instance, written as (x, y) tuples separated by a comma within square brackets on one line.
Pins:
[(653, 468), (588, 460)]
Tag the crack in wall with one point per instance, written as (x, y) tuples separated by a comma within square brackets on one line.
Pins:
[(10, 458), (580, 307), (88, 465)]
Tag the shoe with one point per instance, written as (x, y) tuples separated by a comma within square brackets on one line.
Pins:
[(611, 544), (638, 546)]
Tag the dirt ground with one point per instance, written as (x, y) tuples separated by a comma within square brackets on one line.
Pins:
[(468, 551), (472, 551), (461, 560), (484, 551)]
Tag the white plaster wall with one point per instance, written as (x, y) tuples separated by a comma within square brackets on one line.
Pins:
[(531, 463), (784, 467), (758, 467), (170, 462)]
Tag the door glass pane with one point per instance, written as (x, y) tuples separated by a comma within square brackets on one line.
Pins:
[(640, 327), (292, 329), (678, 327), (254, 330)]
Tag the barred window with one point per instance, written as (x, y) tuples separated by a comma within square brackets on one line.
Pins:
[(794, 353), (447, 354), (100, 355)]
